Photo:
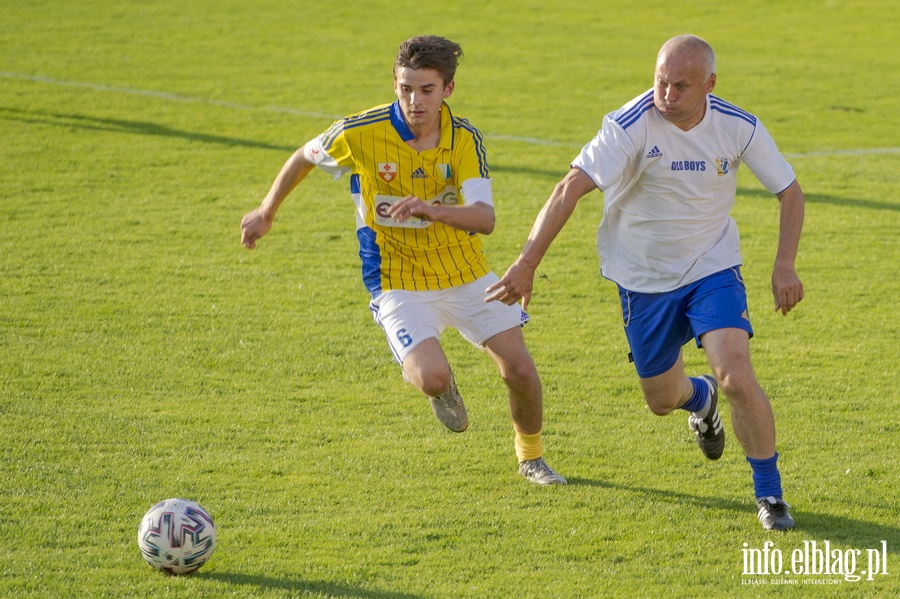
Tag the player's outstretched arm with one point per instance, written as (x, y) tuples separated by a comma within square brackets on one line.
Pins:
[(257, 223), (518, 281), (786, 285)]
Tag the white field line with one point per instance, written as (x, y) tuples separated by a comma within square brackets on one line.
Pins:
[(163, 95), (308, 113)]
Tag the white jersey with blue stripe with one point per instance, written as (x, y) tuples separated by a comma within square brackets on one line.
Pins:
[(668, 193)]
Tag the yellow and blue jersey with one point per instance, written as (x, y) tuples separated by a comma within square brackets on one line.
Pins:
[(414, 255)]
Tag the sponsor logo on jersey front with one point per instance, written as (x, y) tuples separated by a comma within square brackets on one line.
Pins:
[(723, 166), (689, 165), (449, 196), (419, 173), (654, 153), (387, 171)]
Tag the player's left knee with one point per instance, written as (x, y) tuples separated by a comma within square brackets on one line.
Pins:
[(521, 374)]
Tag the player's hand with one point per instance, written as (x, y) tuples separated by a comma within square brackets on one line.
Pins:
[(515, 285), (253, 226), (786, 287), (410, 207)]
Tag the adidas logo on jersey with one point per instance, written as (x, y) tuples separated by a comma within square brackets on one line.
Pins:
[(419, 173), (654, 153)]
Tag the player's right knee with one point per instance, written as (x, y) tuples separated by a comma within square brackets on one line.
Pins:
[(432, 382)]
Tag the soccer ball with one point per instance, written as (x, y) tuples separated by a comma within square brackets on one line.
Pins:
[(177, 536)]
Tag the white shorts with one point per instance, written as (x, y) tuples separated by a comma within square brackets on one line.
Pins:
[(410, 317)]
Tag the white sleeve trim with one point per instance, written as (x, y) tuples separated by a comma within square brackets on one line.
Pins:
[(316, 154), (477, 190)]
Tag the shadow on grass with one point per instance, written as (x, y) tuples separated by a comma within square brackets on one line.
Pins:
[(816, 198), (90, 123), (811, 525), (329, 589), (552, 175)]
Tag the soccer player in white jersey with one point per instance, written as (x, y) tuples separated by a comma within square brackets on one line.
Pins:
[(422, 189), (666, 164)]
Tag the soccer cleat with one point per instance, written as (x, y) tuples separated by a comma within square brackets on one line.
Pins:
[(449, 409), (538, 472), (773, 514), (709, 431)]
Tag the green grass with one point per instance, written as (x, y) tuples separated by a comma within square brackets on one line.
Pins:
[(144, 354)]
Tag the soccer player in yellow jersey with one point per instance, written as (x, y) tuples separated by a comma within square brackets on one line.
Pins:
[(421, 184)]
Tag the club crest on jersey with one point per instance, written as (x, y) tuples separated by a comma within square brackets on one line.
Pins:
[(722, 166), (387, 171), (444, 171)]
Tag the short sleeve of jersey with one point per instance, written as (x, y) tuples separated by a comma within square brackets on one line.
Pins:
[(766, 162), (605, 158), (316, 154), (472, 162)]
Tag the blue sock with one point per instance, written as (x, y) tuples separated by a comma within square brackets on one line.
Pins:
[(699, 399), (766, 478)]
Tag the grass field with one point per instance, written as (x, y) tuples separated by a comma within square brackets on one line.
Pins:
[(144, 354)]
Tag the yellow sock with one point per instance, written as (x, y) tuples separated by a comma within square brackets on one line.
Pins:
[(529, 447)]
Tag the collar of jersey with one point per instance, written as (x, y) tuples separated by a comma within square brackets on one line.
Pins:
[(406, 134)]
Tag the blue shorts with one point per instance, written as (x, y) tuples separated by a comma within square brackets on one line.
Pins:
[(659, 324)]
